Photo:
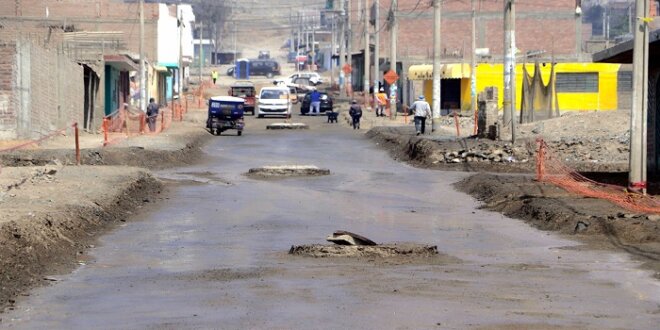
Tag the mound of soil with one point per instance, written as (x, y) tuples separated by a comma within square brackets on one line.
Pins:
[(286, 171), (358, 251), (50, 216), (549, 207)]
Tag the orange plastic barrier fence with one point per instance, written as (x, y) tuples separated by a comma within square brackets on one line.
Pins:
[(122, 124), (46, 137), (549, 168)]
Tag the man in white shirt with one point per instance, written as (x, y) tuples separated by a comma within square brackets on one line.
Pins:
[(421, 110)]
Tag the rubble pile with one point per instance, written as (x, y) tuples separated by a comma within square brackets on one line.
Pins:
[(483, 152)]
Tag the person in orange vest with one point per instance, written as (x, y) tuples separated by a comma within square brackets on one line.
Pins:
[(382, 103)]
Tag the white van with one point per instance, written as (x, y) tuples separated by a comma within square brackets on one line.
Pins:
[(274, 101)]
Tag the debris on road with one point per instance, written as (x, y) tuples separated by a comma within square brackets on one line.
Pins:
[(342, 237), (287, 126), (355, 251), (287, 171)]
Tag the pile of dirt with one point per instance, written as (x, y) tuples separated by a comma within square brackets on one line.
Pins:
[(548, 207), (51, 215), (362, 251), (282, 171), (599, 154), (140, 152)]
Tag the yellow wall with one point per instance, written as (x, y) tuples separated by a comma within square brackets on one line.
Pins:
[(492, 75)]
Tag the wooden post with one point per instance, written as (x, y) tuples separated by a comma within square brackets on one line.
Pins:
[(75, 128), (458, 130), (105, 132)]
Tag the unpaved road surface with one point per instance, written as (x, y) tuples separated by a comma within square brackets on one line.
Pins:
[(214, 255)]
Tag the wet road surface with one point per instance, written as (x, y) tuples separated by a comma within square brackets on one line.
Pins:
[(214, 255)]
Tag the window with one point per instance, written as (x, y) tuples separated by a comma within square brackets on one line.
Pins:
[(577, 82), (624, 81)]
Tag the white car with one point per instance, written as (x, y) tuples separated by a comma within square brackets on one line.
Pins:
[(274, 101), (313, 77)]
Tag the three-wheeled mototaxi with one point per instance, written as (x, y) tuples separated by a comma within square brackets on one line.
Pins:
[(225, 112), (246, 90)]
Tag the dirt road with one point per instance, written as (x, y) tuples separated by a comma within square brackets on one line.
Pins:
[(214, 253)]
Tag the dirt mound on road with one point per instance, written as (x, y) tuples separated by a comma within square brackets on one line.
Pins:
[(549, 207), (354, 251), (50, 217)]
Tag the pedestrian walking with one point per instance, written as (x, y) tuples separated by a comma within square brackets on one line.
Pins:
[(382, 103), (214, 76), (315, 103), (152, 114), (356, 113), (421, 110)]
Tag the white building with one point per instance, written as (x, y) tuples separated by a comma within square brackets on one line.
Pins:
[(174, 48)]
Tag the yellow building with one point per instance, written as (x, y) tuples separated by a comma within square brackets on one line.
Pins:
[(579, 86)]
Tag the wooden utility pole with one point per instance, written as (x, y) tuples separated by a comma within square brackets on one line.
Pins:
[(143, 76), (638, 115), (437, 13)]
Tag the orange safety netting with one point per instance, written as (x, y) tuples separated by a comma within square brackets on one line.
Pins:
[(123, 124), (550, 168)]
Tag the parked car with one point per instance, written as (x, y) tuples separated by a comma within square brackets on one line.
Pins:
[(274, 101), (326, 103), (230, 70), (267, 68), (312, 77), (264, 54)]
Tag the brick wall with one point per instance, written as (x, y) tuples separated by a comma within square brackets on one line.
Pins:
[(41, 90), (91, 15), (7, 94), (540, 25)]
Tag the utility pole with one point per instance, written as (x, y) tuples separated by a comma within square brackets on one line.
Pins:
[(637, 173), (367, 53), (312, 66), (342, 46), (235, 50), (437, 13), (394, 29), (578, 30), (509, 67), (349, 47), (143, 76), (180, 71), (473, 68), (376, 76), (333, 42), (201, 50)]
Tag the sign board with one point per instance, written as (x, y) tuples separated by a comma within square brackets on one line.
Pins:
[(482, 51), (391, 77)]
